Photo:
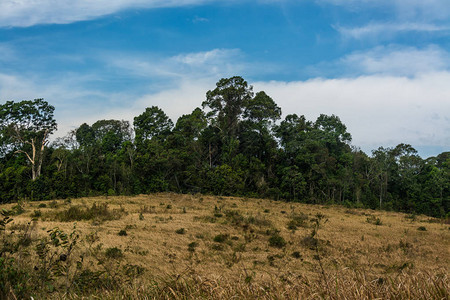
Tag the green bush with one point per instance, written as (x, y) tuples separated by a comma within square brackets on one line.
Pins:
[(277, 241), (114, 253), (180, 231), (220, 238), (99, 212)]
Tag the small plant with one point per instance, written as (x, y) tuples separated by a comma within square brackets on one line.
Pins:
[(98, 212), (296, 254), (217, 247), (220, 238), (277, 241), (17, 210), (123, 232), (411, 217), (297, 220), (36, 214), (141, 216), (192, 246), (180, 231), (374, 220), (422, 228), (42, 205), (114, 253)]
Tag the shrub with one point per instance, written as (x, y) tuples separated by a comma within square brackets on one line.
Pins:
[(374, 220), (220, 238), (42, 205), (192, 246), (297, 220), (17, 210), (180, 231), (114, 253), (123, 232), (422, 228), (277, 241), (54, 204), (99, 212)]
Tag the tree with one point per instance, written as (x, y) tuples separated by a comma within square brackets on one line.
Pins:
[(153, 122), (26, 126), (227, 102)]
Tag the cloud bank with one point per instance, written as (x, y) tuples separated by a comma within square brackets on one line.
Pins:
[(378, 110), (24, 13)]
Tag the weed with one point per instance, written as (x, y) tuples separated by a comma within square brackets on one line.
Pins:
[(36, 214), (220, 238), (192, 246), (180, 231), (98, 212), (277, 241), (374, 220), (200, 236), (217, 247), (297, 220), (411, 217), (17, 210), (114, 253)]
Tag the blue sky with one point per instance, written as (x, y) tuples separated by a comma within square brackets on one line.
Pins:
[(382, 66)]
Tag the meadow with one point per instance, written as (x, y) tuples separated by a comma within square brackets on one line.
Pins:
[(172, 246)]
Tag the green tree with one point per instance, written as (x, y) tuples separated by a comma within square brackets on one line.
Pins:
[(26, 126), (227, 103), (153, 122)]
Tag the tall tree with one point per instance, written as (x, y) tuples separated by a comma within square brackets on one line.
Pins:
[(153, 122), (26, 126), (227, 103)]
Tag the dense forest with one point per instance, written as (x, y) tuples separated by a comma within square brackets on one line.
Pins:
[(236, 144)]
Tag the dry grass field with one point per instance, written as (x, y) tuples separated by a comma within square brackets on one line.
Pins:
[(195, 246)]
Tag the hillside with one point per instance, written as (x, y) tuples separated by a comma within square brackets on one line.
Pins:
[(175, 246)]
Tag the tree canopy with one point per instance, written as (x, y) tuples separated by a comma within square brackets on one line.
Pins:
[(236, 144)]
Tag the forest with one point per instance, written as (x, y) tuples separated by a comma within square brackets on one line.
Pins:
[(236, 144)]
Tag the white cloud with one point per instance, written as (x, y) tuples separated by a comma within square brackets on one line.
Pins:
[(403, 96), (177, 84), (23, 13), (404, 16), (405, 9), (213, 63), (386, 30), (378, 110), (396, 60)]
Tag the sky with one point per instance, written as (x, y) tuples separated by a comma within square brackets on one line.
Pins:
[(382, 66)]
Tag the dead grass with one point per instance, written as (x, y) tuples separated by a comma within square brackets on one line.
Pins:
[(361, 260)]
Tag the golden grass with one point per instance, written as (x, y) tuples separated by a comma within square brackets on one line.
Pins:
[(361, 260)]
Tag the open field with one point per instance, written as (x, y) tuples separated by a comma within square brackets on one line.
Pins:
[(190, 246)]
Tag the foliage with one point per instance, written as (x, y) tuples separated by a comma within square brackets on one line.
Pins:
[(233, 146), (99, 212)]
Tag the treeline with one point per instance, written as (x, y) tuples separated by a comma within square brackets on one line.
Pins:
[(235, 144)]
